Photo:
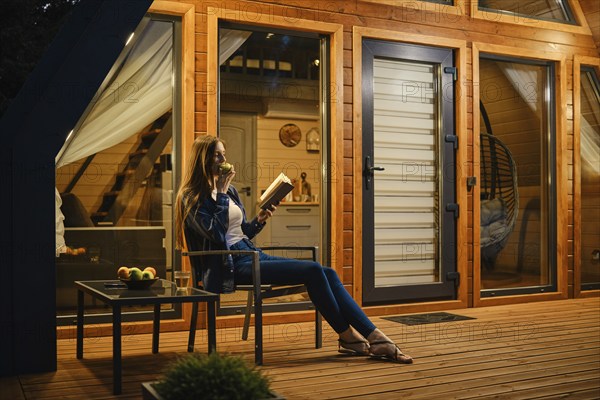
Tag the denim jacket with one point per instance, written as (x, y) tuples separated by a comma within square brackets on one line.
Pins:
[(205, 229)]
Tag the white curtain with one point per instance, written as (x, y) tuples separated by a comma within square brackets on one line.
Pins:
[(141, 92), (589, 137), (526, 82), (590, 147), (229, 41)]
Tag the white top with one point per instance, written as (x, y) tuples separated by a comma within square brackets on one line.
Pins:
[(61, 247), (234, 230)]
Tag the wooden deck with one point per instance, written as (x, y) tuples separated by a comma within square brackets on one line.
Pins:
[(540, 350)]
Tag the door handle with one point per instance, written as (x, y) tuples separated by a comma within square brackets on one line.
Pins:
[(369, 171), (376, 169)]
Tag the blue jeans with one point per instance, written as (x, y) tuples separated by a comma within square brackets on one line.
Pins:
[(323, 284)]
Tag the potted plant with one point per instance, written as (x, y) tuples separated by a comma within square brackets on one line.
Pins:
[(214, 376)]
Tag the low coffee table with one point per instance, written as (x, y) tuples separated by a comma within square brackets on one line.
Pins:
[(116, 295)]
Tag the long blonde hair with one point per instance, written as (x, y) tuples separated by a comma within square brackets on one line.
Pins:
[(197, 181)]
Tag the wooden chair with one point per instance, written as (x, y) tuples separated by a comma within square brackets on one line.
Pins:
[(258, 291)]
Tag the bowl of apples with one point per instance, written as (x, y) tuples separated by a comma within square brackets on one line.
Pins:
[(137, 279)]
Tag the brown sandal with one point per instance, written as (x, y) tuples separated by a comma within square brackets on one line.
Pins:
[(398, 355), (343, 347)]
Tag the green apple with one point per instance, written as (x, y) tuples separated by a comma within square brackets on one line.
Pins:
[(135, 274), (147, 275), (225, 167), (151, 269)]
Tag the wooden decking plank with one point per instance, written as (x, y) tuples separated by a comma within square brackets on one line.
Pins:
[(434, 369), (516, 386), (10, 388), (588, 394), (410, 373), (428, 388), (271, 346), (515, 363), (540, 392), (461, 354)]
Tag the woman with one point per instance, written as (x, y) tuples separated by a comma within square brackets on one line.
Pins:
[(211, 216)]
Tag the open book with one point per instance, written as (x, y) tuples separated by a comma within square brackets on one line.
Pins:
[(280, 187)]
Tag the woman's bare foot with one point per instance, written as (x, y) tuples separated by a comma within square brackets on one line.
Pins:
[(351, 342), (383, 347)]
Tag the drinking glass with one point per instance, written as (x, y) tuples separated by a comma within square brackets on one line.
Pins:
[(182, 278)]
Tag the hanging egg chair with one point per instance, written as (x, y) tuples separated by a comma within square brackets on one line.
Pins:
[(499, 198)]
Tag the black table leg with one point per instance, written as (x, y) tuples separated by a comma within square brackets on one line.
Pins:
[(155, 328), (116, 349), (193, 323), (211, 317), (79, 324)]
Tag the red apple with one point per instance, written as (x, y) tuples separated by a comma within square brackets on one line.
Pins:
[(123, 273)]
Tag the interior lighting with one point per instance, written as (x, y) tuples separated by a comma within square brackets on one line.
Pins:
[(129, 39)]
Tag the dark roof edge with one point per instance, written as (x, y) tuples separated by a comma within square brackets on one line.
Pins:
[(69, 73)]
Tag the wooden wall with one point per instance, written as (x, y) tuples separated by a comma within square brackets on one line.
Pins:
[(406, 17), (273, 157)]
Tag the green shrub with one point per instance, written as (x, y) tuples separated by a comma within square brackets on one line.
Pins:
[(214, 377)]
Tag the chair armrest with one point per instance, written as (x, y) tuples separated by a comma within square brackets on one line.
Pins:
[(218, 252), (313, 249)]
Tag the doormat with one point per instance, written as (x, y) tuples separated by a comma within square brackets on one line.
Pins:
[(430, 318)]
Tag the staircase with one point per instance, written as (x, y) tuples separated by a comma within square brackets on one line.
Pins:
[(139, 165)]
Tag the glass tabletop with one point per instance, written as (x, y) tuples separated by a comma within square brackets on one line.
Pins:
[(161, 291)]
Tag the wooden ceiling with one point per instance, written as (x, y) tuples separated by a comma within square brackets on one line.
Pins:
[(591, 10)]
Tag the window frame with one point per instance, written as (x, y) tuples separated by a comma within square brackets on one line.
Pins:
[(579, 25), (579, 62), (571, 20), (454, 7), (561, 162)]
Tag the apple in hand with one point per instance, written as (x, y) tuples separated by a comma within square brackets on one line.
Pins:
[(123, 273), (225, 167), (147, 275), (135, 274)]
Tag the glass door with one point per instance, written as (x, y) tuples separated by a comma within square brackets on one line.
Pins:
[(517, 177), (271, 117)]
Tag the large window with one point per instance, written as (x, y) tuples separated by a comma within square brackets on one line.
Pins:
[(589, 152), (116, 173), (517, 176)]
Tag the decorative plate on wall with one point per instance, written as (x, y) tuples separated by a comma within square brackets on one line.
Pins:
[(290, 135)]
